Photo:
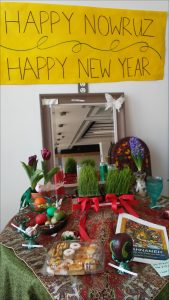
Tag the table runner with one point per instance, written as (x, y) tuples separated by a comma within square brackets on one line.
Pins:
[(108, 285)]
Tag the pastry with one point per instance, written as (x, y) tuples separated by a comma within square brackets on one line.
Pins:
[(68, 253), (91, 250), (75, 246), (76, 269)]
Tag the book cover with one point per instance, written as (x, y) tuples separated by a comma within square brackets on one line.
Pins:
[(150, 240)]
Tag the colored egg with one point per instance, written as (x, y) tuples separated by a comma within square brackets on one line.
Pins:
[(41, 219), (50, 211), (59, 215), (121, 247)]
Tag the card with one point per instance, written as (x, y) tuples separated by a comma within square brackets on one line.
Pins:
[(162, 268)]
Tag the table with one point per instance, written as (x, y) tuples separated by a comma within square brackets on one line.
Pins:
[(21, 277)]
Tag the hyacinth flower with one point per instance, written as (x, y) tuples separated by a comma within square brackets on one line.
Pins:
[(137, 152)]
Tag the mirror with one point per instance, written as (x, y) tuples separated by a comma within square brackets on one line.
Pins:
[(80, 126)]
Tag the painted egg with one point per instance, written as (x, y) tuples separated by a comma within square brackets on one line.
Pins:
[(50, 211), (59, 215), (41, 219), (121, 247)]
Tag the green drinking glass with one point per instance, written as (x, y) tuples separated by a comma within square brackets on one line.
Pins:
[(154, 186)]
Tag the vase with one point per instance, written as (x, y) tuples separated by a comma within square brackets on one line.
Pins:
[(140, 186)]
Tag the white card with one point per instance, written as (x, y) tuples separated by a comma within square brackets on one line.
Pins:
[(162, 267)]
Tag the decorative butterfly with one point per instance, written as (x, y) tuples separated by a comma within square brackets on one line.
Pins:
[(113, 103)]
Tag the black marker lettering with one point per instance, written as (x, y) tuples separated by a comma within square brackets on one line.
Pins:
[(14, 68), (150, 21), (122, 64), (145, 63), (54, 19), (80, 64), (125, 23), (12, 21), (68, 19), (30, 16), (103, 23), (87, 21), (43, 18), (62, 65), (28, 67)]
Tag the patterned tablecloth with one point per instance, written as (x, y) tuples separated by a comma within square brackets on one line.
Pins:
[(108, 285)]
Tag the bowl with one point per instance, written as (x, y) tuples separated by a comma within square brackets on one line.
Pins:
[(41, 207), (53, 228)]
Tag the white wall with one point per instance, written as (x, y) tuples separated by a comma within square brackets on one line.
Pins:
[(146, 117)]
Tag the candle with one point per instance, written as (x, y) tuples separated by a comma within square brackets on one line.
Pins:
[(20, 229), (122, 269), (101, 152), (115, 124)]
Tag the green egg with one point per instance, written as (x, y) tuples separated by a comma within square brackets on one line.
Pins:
[(50, 211)]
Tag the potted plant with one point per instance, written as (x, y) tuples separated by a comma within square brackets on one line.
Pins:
[(70, 170), (119, 182), (88, 161), (88, 183), (70, 166)]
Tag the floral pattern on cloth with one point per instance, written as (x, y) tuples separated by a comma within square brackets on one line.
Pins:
[(104, 286), (120, 155)]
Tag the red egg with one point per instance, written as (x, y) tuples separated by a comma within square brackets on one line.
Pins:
[(41, 219)]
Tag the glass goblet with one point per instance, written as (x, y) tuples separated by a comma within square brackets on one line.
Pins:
[(154, 186)]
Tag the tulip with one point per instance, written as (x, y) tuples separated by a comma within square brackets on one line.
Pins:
[(46, 154), (32, 160)]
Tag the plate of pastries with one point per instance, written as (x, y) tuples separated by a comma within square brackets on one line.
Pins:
[(75, 258)]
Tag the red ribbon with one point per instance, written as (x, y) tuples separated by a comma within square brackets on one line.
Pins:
[(124, 201), (85, 203), (88, 202), (82, 229), (118, 204)]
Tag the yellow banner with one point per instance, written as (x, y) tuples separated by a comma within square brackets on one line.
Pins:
[(49, 44)]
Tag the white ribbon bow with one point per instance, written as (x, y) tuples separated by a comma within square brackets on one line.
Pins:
[(113, 103)]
